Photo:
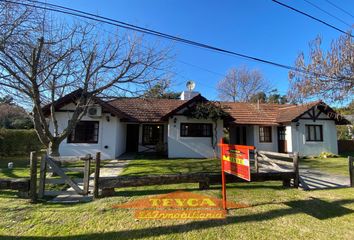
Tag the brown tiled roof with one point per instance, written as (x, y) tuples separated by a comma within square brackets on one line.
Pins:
[(252, 113), (290, 112), (158, 110), (275, 114), (146, 110)]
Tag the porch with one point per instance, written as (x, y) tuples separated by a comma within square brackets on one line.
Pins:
[(146, 138)]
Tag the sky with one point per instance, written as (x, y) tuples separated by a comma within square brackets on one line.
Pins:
[(259, 28)]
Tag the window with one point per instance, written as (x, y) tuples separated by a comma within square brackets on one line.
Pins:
[(84, 132), (152, 134), (265, 134), (196, 130), (314, 133)]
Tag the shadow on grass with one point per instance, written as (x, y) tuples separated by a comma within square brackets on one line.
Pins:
[(10, 173), (314, 207)]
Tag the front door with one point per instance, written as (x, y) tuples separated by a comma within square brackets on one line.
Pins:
[(241, 135), (282, 148), (132, 137)]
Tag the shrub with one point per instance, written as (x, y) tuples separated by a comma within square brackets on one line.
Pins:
[(18, 142), (327, 155)]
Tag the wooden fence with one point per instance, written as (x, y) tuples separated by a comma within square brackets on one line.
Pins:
[(268, 166), (266, 161)]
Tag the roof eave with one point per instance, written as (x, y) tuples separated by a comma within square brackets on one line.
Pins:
[(198, 98)]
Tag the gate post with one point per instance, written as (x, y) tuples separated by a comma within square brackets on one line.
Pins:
[(86, 180), (351, 170), (33, 181), (97, 175), (256, 160), (42, 175), (296, 169)]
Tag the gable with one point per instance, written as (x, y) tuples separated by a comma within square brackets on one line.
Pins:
[(67, 104)]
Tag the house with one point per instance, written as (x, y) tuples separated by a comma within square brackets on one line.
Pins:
[(163, 125), (308, 129)]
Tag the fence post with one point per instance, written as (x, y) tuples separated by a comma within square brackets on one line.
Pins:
[(33, 181), (296, 169), (97, 175), (42, 175), (86, 180), (351, 170), (256, 160)]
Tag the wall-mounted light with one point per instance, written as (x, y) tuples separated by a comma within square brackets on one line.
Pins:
[(108, 118), (297, 125), (175, 120)]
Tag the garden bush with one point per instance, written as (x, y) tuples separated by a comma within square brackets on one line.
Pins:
[(327, 155), (18, 142)]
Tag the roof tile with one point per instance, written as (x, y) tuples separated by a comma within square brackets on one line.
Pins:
[(146, 110)]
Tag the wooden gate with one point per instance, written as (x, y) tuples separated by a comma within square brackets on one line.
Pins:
[(278, 162), (49, 164)]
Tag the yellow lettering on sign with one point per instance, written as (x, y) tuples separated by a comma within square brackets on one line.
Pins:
[(236, 160)]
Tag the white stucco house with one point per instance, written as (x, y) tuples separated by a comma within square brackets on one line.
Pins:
[(162, 125)]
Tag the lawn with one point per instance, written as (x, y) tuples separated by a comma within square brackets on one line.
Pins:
[(338, 165), (22, 167), (20, 170), (274, 213), (144, 165)]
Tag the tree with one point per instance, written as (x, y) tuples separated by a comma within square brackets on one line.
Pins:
[(276, 97), (161, 90), (326, 74), (43, 59), (260, 97), (273, 97), (240, 84), (208, 110), (13, 116), (7, 99)]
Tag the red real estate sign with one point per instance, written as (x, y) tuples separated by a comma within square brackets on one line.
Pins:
[(235, 160)]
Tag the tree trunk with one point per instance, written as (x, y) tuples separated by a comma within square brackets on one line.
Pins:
[(53, 149)]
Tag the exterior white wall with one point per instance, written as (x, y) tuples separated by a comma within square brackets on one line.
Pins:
[(121, 138), (288, 138), (192, 147), (111, 137), (266, 146), (305, 148)]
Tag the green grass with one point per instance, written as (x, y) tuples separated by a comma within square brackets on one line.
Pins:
[(22, 167), (338, 165), (148, 166), (274, 213), (20, 170)]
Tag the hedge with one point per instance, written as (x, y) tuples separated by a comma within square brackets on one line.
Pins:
[(18, 142)]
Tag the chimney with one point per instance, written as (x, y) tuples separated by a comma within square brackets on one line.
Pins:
[(189, 94)]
